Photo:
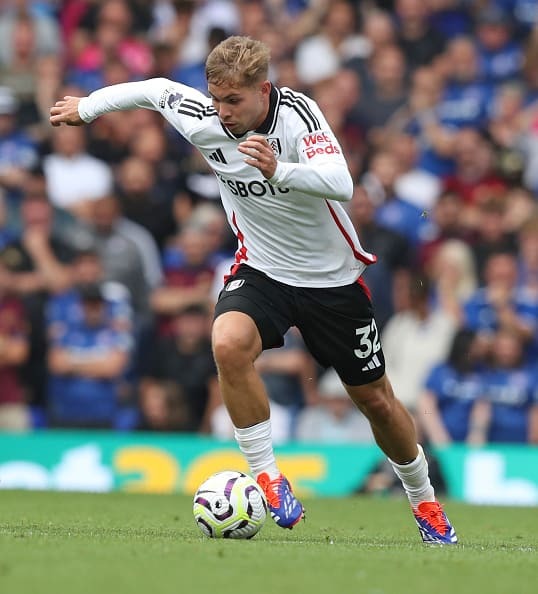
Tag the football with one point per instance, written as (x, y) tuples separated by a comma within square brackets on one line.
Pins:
[(229, 504)]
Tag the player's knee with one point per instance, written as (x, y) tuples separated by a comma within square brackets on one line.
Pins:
[(235, 339), (233, 350), (376, 401)]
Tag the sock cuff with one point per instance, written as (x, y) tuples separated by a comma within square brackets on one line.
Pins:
[(411, 465), (262, 429)]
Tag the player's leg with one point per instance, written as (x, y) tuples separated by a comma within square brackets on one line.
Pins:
[(395, 434), (236, 345), (241, 330), (339, 329), (391, 423)]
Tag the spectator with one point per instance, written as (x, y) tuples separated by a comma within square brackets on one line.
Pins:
[(339, 96), (163, 407), (112, 135), (47, 35), (18, 152), (508, 411), (463, 104), (414, 185), (181, 374), (474, 178), (379, 32), (450, 391), (14, 349), (501, 56), (319, 56), (500, 304), (384, 92), (187, 25), (392, 249), (446, 223), (32, 75), (34, 266), (418, 40), (87, 365), (492, 234), (75, 178), (150, 143), (128, 252), (520, 207), (453, 277), (416, 340), (65, 310), (335, 419), (112, 38), (506, 117), (392, 212), (140, 200), (426, 86), (188, 275)]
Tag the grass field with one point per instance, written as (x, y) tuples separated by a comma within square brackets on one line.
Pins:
[(56, 543)]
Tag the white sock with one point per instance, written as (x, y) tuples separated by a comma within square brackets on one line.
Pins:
[(415, 479), (256, 444)]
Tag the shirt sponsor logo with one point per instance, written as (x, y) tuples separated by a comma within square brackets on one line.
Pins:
[(319, 143), (250, 188)]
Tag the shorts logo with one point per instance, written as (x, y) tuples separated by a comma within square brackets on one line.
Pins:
[(274, 143), (235, 284), (373, 364)]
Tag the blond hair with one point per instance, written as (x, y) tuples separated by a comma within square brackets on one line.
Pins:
[(238, 61), (456, 253)]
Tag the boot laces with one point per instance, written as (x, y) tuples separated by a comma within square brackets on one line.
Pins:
[(270, 488), (432, 512)]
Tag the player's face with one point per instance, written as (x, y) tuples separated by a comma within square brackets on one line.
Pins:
[(241, 109)]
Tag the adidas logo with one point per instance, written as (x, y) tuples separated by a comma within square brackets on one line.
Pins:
[(375, 362), (218, 156)]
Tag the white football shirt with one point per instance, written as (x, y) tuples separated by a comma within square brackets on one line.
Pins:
[(293, 226)]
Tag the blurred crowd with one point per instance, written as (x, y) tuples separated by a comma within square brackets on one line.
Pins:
[(113, 242)]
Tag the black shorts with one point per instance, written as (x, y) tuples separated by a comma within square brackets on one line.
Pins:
[(337, 323)]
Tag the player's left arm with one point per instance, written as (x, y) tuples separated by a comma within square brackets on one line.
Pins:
[(322, 170)]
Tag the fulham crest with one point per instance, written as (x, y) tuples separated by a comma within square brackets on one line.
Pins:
[(274, 143)]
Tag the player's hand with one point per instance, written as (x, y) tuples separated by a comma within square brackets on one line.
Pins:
[(65, 111), (259, 155)]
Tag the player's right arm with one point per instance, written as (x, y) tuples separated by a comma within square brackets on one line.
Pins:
[(151, 94)]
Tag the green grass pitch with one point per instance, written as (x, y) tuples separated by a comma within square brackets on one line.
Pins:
[(62, 543)]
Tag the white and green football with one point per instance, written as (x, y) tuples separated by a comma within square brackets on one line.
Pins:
[(229, 504)]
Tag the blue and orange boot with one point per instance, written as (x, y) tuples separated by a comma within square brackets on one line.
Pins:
[(433, 524), (285, 509)]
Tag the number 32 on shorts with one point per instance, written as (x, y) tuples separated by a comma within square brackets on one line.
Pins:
[(368, 342)]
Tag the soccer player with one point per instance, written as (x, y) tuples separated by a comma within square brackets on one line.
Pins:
[(283, 181)]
